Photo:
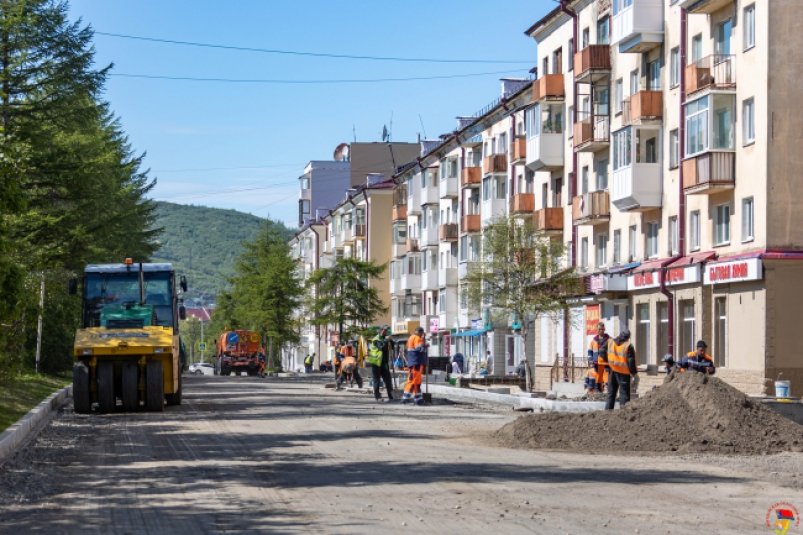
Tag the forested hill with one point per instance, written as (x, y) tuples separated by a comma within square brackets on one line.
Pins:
[(203, 243)]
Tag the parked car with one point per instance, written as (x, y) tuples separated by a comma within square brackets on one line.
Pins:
[(202, 368)]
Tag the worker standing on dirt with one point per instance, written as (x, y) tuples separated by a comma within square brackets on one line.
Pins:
[(598, 362), (379, 359), (621, 358), (416, 361), (308, 361), (699, 360)]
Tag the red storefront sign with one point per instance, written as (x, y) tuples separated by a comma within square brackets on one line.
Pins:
[(592, 319), (734, 271), (652, 279)]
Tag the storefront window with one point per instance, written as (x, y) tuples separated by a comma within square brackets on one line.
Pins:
[(663, 331), (643, 333), (687, 327), (720, 332)]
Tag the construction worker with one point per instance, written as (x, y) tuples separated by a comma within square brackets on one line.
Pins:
[(621, 359), (379, 359), (590, 383), (699, 360), (349, 365), (416, 362), (308, 361), (600, 340)]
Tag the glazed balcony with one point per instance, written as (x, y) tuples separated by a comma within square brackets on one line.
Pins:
[(644, 106), (447, 277), (522, 203), (591, 132), (519, 149), (710, 172), (705, 6), (714, 72), (496, 163), (470, 177), (591, 208), (470, 223), (638, 27), (429, 279), (429, 236), (399, 212), (399, 249), (448, 188), (360, 230), (411, 281), (592, 64), (549, 87), (548, 219), (430, 194), (412, 245), (637, 171), (448, 232)]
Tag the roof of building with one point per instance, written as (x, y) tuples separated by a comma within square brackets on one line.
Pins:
[(202, 313)]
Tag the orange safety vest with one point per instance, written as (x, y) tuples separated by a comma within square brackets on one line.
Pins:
[(414, 341), (617, 357), (594, 347)]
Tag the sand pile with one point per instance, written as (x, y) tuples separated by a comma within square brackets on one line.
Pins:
[(690, 412)]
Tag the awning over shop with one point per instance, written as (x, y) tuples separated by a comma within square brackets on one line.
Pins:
[(470, 332), (649, 265), (694, 258)]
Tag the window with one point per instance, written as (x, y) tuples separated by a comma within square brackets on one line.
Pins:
[(654, 75), (747, 219), (617, 246), (569, 119), (557, 61), (694, 230), (673, 235), (722, 225), (634, 82), (696, 48), (603, 36), (500, 187), (601, 170), (748, 121), (584, 180), (674, 149), (586, 37), (602, 250), (702, 134), (546, 65), (749, 22), (602, 99), (570, 48), (631, 243), (674, 67), (501, 147), (399, 232), (584, 254), (618, 95), (663, 329), (642, 333), (720, 331), (486, 188), (652, 240), (687, 327), (622, 148), (620, 5), (722, 41)]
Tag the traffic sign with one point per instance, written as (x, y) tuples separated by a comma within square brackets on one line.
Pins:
[(201, 346)]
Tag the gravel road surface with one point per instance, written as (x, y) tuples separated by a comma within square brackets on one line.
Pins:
[(247, 455)]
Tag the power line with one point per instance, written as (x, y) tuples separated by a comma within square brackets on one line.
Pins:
[(309, 82), (311, 54), (191, 170)]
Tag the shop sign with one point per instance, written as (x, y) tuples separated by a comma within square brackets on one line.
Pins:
[(434, 324), (674, 276), (592, 319), (400, 328), (749, 269), (476, 324), (602, 282)]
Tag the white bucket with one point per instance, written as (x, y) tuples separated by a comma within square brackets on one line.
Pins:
[(782, 389)]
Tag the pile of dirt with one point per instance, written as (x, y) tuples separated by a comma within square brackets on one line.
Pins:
[(690, 412)]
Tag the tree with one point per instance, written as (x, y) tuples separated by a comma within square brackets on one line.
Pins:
[(342, 295), (520, 275)]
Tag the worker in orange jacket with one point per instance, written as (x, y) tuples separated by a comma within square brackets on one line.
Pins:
[(416, 363), (621, 358), (699, 360), (597, 357)]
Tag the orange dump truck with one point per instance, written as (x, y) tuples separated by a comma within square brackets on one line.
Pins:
[(238, 351)]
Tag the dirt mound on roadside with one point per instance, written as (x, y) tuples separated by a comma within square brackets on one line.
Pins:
[(690, 412)]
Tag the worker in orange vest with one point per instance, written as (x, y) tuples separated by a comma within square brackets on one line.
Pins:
[(596, 358), (416, 363), (699, 360), (621, 358)]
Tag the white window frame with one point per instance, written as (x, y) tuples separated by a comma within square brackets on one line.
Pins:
[(748, 121), (694, 230), (634, 82), (722, 224), (584, 253), (602, 250), (674, 67), (748, 219), (674, 149), (673, 235), (632, 236), (617, 247), (696, 48), (651, 245), (749, 27), (619, 96)]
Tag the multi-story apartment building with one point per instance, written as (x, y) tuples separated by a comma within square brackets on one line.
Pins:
[(306, 247), (667, 128)]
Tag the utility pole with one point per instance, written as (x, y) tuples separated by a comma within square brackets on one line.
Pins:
[(39, 321), (203, 343)]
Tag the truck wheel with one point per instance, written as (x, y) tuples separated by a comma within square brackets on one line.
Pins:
[(130, 384), (106, 399), (82, 403), (175, 399), (154, 386)]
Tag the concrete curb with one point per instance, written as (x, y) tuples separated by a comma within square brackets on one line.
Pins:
[(537, 404), (27, 427)]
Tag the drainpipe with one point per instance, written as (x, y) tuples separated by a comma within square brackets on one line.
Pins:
[(512, 171), (564, 6)]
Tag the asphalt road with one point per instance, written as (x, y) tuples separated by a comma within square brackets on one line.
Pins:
[(245, 455)]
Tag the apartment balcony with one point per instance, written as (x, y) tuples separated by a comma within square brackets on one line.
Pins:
[(430, 195), (411, 282), (429, 279), (548, 220), (706, 7), (545, 151), (429, 236), (399, 212), (519, 149), (592, 133), (637, 187), (412, 245), (346, 235), (360, 231), (710, 172), (448, 188), (639, 27), (470, 223), (643, 107), (305, 195), (448, 232), (592, 64), (447, 277), (464, 268), (591, 208), (714, 72), (470, 177), (549, 87), (414, 201), (492, 209), (496, 163), (522, 203), (395, 286), (398, 250)]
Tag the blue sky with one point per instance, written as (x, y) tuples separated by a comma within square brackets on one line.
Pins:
[(242, 145)]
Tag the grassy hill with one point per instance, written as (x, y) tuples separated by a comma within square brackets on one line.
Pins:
[(203, 243)]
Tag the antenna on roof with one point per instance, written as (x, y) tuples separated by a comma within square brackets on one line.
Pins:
[(424, 130)]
